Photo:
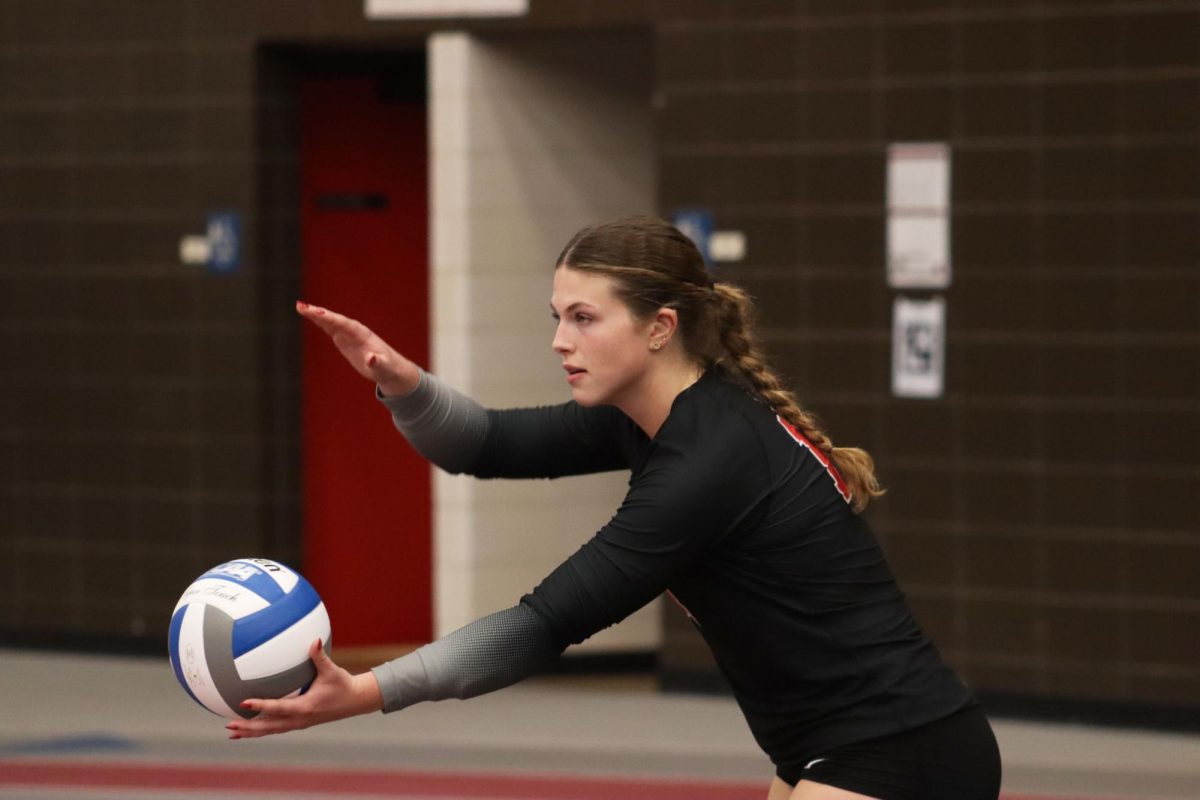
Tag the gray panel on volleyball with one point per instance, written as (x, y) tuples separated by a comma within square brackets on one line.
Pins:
[(218, 652)]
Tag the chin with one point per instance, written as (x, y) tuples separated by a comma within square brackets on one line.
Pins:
[(587, 399)]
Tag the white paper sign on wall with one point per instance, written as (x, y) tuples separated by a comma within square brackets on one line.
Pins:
[(918, 218), (421, 9), (918, 347)]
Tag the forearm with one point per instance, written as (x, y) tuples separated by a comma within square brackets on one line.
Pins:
[(445, 426), (489, 654)]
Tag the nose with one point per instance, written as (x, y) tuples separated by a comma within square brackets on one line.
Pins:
[(560, 344)]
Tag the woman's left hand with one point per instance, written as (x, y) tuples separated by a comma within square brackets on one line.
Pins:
[(334, 694)]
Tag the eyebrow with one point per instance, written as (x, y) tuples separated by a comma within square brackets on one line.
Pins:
[(571, 307)]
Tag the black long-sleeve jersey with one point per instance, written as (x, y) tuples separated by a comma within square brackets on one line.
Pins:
[(748, 526)]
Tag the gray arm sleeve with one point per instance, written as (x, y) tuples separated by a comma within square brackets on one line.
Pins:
[(446, 427), (489, 654)]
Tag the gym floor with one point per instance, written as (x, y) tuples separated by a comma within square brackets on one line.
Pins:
[(85, 726)]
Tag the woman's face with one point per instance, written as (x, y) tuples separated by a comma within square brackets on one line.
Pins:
[(605, 350)]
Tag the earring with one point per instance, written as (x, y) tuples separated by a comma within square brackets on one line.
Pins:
[(657, 345)]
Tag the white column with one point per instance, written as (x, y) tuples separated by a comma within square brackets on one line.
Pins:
[(529, 142)]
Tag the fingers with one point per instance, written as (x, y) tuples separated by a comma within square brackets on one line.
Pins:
[(274, 716), (370, 356), (320, 658), (279, 709), (342, 329), (257, 728), (315, 313), (332, 322)]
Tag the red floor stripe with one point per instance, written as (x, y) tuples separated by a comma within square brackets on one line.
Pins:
[(385, 783)]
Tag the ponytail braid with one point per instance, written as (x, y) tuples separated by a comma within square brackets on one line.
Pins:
[(734, 326)]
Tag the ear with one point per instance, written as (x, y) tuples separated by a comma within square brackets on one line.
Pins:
[(664, 325)]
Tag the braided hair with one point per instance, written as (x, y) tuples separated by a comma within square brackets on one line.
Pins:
[(653, 266)]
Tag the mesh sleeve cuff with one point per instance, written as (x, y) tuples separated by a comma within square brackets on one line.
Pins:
[(489, 654), (446, 427)]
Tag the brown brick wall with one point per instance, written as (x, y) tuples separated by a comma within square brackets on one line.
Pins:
[(131, 435), (1043, 516)]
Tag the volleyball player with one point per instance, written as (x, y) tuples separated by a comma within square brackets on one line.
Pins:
[(738, 504)]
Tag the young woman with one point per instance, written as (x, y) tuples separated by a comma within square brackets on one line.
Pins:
[(738, 504)]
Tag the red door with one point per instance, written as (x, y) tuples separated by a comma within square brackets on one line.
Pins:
[(364, 231)]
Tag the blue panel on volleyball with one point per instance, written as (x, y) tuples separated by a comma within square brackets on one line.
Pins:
[(249, 575), (254, 629), (173, 643)]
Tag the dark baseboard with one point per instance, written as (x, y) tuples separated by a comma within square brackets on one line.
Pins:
[(1088, 711), (90, 643), (693, 681), (1011, 705)]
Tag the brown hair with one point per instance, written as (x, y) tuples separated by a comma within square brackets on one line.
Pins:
[(653, 265)]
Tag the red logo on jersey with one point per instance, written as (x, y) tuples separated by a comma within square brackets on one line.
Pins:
[(830, 469)]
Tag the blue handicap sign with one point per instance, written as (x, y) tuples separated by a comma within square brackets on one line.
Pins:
[(224, 241), (697, 225)]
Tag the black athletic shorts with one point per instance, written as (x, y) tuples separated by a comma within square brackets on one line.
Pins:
[(955, 758)]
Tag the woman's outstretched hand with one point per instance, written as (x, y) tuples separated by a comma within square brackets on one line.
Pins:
[(371, 356), (334, 694)]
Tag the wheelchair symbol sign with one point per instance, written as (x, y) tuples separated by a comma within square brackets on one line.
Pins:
[(224, 233)]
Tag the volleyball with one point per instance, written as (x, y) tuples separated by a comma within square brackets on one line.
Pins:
[(243, 630)]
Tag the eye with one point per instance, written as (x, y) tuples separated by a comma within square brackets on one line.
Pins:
[(583, 319)]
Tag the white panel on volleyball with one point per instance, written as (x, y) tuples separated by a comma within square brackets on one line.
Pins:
[(282, 575), (233, 598), (271, 657), (194, 662)]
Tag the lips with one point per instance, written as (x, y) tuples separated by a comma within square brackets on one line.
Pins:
[(573, 372)]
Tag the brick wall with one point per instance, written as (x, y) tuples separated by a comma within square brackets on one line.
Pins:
[(130, 446), (1043, 516)]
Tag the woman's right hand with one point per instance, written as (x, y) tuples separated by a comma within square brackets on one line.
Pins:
[(334, 694), (371, 356)]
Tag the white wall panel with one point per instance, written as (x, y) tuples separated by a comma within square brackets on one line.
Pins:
[(530, 141)]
